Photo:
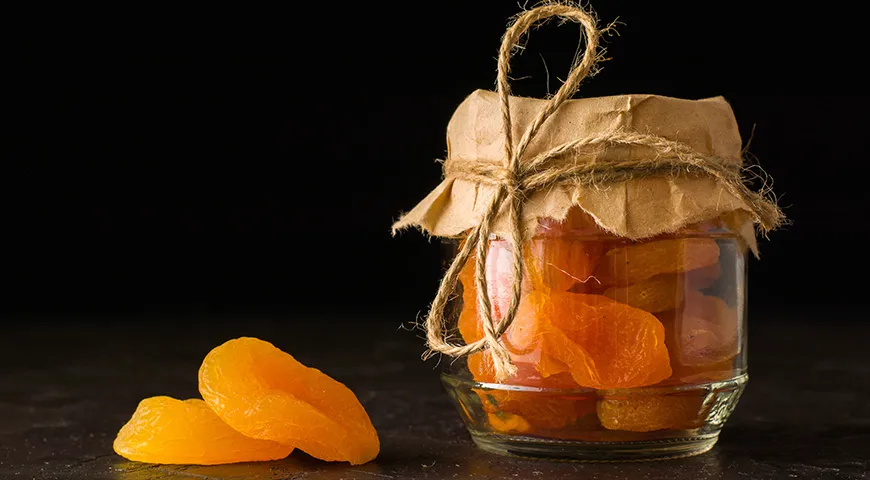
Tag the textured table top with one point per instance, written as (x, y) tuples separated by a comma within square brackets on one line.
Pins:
[(66, 387)]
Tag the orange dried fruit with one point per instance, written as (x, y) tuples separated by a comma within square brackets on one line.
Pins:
[(549, 367), (699, 346), (605, 344), (704, 277), (538, 409), (702, 350), (524, 332), (699, 369), (479, 365), (559, 263), (265, 393), (528, 375), (637, 262), (499, 280), (533, 335), (521, 341), (651, 411), (508, 423), (469, 323), (705, 330), (559, 353), (600, 342), (170, 431), (659, 293)]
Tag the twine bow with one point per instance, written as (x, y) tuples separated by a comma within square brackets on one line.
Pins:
[(515, 180)]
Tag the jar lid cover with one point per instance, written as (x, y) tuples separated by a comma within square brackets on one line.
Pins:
[(634, 208)]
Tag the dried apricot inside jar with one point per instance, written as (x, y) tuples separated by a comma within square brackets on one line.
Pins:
[(642, 357)]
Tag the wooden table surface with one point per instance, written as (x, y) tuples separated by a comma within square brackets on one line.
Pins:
[(67, 385)]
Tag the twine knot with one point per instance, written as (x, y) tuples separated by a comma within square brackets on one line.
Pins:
[(512, 184), (518, 177)]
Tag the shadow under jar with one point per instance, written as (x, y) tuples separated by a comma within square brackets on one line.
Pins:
[(624, 349)]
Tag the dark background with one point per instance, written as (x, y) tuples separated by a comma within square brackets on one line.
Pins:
[(252, 160)]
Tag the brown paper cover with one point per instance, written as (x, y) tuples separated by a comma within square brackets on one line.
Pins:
[(635, 209)]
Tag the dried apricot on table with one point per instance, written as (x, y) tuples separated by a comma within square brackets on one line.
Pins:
[(660, 293), (170, 431), (605, 344), (265, 393), (637, 262), (647, 412)]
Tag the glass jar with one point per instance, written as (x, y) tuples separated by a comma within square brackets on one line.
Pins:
[(624, 349)]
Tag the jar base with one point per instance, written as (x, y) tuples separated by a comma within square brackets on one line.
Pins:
[(529, 447)]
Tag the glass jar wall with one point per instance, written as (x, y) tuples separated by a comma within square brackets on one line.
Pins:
[(624, 349)]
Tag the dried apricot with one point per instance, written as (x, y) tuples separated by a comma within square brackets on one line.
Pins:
[(479, 366), (704, 277), (562, 354), (705, 330), (499, 277), (647, 412), (469, 323), (499, 280), (539, 409), (600, 342), (549, 367), (524, 332), (265, 393), (521, 340), (659, 293), (637, 262), (605, 344), (166, 430), (508, 423), (536, 408), (533, 336), (559, 263), (528, 375), (702, 340)]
